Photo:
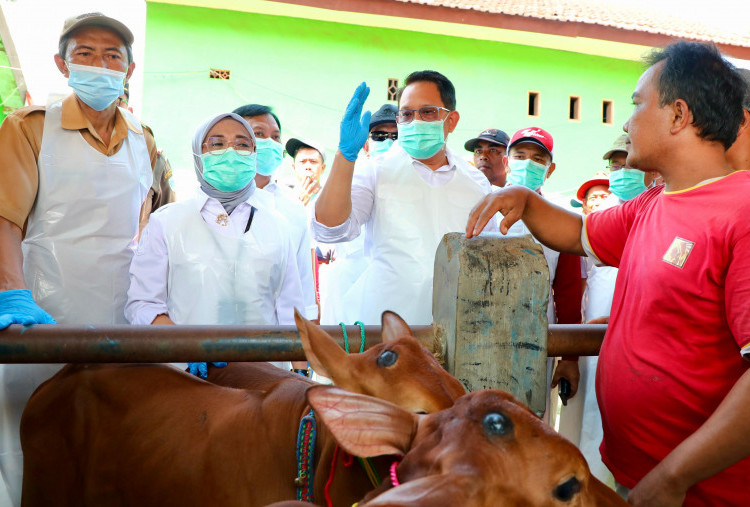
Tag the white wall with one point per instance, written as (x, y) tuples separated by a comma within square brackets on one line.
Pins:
[(35, 27)]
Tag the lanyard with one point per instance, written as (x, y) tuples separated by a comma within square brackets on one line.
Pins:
[(250, 219)]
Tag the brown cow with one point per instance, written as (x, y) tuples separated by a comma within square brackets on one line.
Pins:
[(151, 434), (399, 370), (486, 450)]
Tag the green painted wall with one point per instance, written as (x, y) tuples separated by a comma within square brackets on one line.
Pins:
[(10, 99), (307, 71)]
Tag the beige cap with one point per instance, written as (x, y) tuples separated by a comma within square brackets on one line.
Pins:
[(618, 146), (100, 20)]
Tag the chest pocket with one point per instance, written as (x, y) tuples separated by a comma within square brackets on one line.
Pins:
[(395, 206)]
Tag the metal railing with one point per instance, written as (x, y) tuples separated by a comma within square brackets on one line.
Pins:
[(159, 344)]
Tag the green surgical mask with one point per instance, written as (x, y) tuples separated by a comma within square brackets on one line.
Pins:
[(270, 154), (228, 171), (627, 183), (421, 139), (380, 147)]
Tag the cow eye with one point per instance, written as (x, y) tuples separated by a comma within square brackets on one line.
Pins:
[(567, 490), (387, 358), (497, 424)]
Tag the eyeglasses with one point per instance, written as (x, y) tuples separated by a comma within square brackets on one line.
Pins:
[(427, 113), (615, 167), (219, 146), (379, 135)]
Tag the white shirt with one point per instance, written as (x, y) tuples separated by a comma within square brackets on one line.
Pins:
[(296, 214), (363, 197), (149, 269)]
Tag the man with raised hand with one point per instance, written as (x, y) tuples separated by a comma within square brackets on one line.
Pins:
[(673, 380), (408, 198), (74, 178)]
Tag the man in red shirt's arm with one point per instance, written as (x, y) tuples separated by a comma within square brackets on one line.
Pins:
[(688, 108)]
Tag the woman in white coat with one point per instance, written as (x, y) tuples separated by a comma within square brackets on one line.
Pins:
[(222, 257)]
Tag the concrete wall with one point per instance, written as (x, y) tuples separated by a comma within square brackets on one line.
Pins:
[(307, 70)]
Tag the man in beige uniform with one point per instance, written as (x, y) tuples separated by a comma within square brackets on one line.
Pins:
[(161, 192), (73, 177)]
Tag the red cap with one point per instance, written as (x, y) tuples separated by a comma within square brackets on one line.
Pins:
[(598, 179), (534, 135)]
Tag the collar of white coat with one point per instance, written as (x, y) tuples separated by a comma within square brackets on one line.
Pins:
[(450, 166), (203, 201)]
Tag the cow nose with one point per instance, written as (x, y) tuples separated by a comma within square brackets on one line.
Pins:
[(497, 424), (567, 490)]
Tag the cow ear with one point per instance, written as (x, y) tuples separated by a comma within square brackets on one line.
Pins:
[(320, 349), (393, 326), (364, 426)]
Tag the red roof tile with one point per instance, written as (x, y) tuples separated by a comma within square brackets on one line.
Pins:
[(603, 13)]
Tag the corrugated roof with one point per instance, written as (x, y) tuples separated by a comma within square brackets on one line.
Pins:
[(603, 13)]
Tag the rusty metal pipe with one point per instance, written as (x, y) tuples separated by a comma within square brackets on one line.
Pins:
[(575, 339), (159, 344)]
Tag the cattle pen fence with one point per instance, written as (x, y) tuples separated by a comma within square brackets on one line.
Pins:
[(160, 344), (490, 326)]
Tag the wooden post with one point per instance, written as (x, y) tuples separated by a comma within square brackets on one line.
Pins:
[(490, 310)]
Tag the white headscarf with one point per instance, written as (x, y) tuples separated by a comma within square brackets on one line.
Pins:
[(229, 200)]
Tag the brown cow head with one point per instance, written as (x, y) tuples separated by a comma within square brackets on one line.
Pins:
[(488, 449), (399, 370)]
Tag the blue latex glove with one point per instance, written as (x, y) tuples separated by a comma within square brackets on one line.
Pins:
[(201, 369), (355, 129), (18, 307)]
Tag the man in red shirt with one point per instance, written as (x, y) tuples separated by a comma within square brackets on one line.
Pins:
[(672, 382)]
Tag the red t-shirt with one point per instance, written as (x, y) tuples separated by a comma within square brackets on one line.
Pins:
[(680, 317)]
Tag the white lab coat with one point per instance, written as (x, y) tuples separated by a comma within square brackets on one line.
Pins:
[(408, 220), (293, 210), (79, 241), (217, 279), (581, 421)]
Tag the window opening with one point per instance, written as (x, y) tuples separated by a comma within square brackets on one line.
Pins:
[(573, 108), (533, 109), (607, 112), (392, 88), (218, 73)]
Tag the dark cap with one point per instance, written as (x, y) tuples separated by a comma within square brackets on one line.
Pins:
[(100, 20), (293, 145), (386, 114), (495, 136), (534, 135)]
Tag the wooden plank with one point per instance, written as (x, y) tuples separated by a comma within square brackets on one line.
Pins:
[(490, 306)]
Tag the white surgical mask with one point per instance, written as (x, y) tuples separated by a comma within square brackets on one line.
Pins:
[(97, 87)]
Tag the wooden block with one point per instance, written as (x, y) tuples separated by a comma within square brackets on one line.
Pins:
[(490, 306)]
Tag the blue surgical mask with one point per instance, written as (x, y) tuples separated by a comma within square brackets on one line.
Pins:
[(97, 87), (526, 172), (380, 147), (270, 153), (627, 183), (228, 171), (421, 139)]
